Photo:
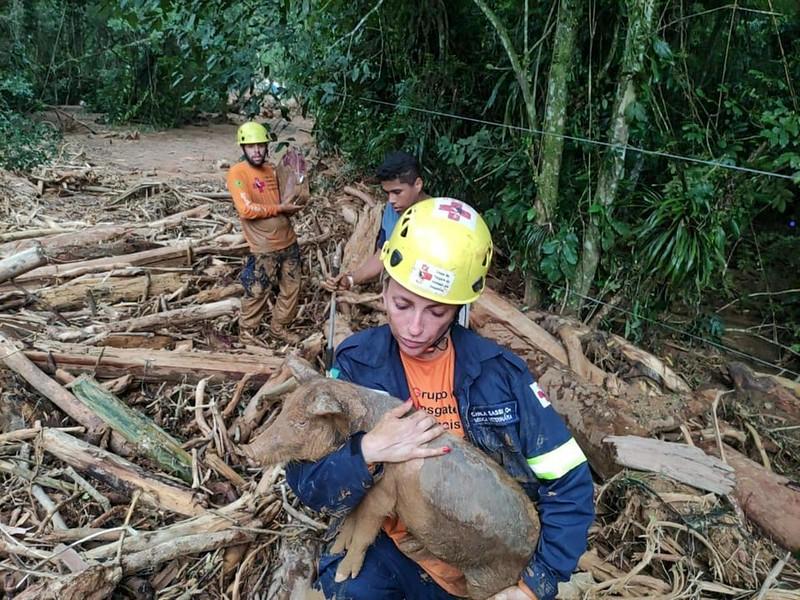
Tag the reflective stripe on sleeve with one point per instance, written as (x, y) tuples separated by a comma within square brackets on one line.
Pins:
[(558, 462)]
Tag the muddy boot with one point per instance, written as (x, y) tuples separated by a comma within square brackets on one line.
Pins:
[(282, 333)]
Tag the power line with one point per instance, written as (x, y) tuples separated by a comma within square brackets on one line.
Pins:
[(573, 138)]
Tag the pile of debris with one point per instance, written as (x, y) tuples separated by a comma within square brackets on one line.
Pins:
[(126, 395)]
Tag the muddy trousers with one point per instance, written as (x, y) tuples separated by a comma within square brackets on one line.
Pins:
[(260, 274), (387, 574)]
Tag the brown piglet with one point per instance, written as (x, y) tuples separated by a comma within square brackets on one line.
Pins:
[(462, 507)]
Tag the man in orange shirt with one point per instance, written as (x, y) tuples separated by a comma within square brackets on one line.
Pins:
[(264, 210)]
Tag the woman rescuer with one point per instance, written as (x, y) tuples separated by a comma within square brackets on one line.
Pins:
[(435, 261)]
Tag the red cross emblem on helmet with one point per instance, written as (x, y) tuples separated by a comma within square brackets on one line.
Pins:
[(456, 211)]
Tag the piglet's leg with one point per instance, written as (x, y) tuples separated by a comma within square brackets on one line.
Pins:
[(365, 523)]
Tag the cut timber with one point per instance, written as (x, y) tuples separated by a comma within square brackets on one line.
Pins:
[(770, 500), (492, 307), (688, 464), (361, 244), (16, 360), (145, 436), (153, 365), (119, 473), (25, 261), (109, 290)]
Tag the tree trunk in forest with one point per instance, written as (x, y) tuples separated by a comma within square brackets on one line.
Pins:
[(555, 112), (641, 19)]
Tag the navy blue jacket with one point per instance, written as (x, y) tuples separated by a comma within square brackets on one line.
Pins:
[(504, 414)]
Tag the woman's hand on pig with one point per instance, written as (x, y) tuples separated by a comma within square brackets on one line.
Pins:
[(511, 593), (398, 438)]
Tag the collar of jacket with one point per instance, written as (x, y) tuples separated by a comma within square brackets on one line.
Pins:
[(471, 350)]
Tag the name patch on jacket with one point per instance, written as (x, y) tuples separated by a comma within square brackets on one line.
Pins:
[(498, 414)]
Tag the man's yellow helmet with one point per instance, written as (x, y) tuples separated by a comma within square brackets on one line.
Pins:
[(440, 249), (252, 133)]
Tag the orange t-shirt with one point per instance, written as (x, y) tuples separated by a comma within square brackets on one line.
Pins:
[(431, 386), (256, 196)]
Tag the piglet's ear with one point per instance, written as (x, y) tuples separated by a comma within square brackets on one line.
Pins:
[(324, 404), (301, 369)]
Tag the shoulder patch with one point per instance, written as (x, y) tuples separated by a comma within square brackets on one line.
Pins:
[(540, 395), (238, 183)]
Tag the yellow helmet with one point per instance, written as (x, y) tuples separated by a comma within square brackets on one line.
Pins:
[(440, 249), (252, 133)]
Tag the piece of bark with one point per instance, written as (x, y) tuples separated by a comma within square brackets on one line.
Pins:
[(147, 438), (152, 365), (110, 290), (120, 474), (18, 362), (144, 341), (492, 306), (20, 263), (361, 244), (770, 500), (681, 462), (95, 583)]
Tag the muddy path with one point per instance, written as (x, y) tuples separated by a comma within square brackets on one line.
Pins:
[(199, 153)]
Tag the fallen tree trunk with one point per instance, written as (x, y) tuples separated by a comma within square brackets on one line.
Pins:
[(492, 306), (111, 290), (361, 244), (770, 500), (23, 262), (103, 240), (169, 318), (152, 365), (120, 474)]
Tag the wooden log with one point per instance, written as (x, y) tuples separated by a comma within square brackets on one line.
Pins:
[(147, 438), (681, 462), (493, 307), (97, 582), (103, 240), (157, 256), (770, 500), (20, 263), (152, 365), (16, 360), (765, 393), (178, 316), (111, 290), (120, 474), (184, 546), (240, 512)]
